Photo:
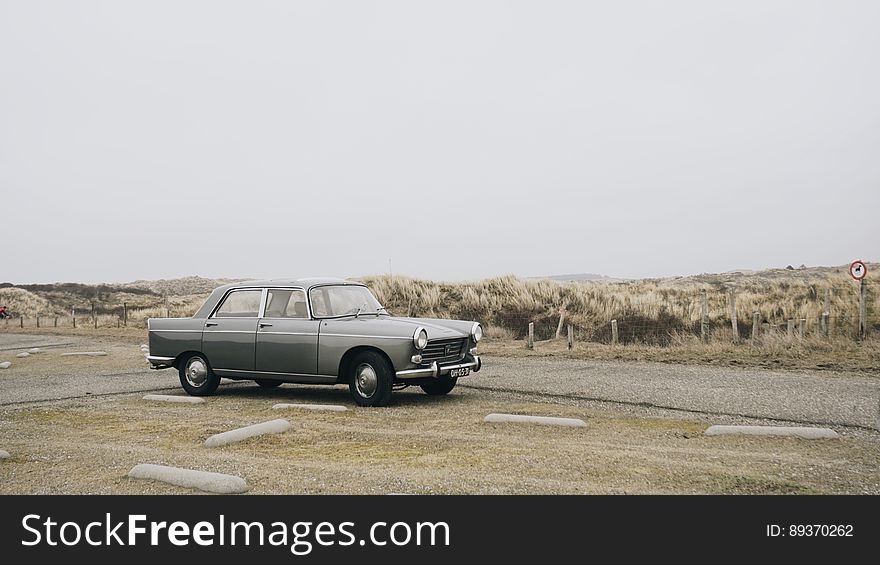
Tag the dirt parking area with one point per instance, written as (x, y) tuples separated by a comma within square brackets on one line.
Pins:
[(87, 426)]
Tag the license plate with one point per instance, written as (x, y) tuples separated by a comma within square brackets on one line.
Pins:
[(463, 372)]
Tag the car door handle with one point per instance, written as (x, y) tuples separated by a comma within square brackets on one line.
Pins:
[(265, 325), (210, 324)]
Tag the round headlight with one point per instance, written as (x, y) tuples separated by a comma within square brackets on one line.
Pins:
[(420, 338), (477, 332)]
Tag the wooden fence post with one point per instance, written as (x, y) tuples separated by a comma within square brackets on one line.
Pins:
[(74, 321), (561, 321), (38, 319), (790, 325), (826, 314), (802, 323), (704, 319), (531, 343), (863, 309), (56, 321), (125, 314), (733, 324), (570, 337), (756, 319), (21, 322), (614, 336)]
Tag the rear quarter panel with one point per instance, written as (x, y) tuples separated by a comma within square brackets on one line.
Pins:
[(169, 337)]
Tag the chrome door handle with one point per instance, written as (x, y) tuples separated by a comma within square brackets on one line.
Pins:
[(265, 325), (210, 324)]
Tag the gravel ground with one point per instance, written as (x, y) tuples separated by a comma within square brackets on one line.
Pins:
[(77, 425), (821, 397), (420, 445), (11, 343)]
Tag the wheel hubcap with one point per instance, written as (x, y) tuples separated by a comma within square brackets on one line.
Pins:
[(196, 371), (365, 380)]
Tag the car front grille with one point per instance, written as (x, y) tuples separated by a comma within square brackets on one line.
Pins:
[(444, 350)]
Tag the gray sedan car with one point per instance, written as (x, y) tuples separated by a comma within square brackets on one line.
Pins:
[(314, 331)]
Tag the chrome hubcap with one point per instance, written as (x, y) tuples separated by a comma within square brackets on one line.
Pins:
[(365, 380), (196, 371)]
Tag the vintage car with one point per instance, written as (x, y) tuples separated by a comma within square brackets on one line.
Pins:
[(314, 331)]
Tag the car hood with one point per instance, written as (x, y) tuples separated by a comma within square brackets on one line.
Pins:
[(436, 328)]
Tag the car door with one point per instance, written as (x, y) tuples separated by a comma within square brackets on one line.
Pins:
[(287, 339), (229, 339)]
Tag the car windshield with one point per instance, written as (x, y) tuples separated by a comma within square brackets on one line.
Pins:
[(343, 300)]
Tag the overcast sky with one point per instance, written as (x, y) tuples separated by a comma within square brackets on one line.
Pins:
[(458, 139)]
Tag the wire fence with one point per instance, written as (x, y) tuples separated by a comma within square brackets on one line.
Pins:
[(656, 327), (634, 330), (637, 330)]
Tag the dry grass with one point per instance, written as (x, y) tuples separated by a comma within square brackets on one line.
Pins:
[(774, 352), (421, 445), (652, 311), (646, 310)]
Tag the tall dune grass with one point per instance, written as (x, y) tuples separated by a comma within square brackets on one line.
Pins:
[(650, 310)]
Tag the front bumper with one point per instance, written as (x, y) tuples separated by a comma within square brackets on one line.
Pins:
[(158, 362), (436, 371)]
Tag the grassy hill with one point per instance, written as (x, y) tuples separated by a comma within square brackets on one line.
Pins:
[(650, 310)]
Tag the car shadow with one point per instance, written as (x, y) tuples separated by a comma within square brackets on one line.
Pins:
[(339, 394)]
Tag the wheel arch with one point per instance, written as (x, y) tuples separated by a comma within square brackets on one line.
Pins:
[(186, 355), (346, 361)]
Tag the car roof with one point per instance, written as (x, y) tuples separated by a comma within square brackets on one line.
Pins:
[(306, 283)]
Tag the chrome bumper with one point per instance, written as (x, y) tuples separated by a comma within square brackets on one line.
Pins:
[(160, 362), (437, 371)]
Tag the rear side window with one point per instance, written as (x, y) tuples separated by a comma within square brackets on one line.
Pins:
[(286, 304), (240, 304)]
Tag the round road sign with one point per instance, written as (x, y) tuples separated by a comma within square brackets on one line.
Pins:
[(858, 270)]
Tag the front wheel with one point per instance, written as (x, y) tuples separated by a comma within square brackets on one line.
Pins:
[(196, 376), (441, 386), (370, 379), (268, 383)]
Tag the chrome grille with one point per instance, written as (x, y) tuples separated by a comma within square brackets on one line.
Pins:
[(444, 350)]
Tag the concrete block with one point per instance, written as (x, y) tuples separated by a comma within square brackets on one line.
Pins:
[(543, 420), (175, 398), (805, 433), (271, 427), (328, 407), (189, 478)]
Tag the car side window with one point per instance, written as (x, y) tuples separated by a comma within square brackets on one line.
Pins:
[(283, 303), (240, 304), (319, 302)]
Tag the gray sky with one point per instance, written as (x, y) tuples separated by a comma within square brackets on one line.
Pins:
[(461, 139)]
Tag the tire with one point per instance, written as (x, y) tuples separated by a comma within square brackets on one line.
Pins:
[(370, 379), (439, 387), (268, 383), (196, 376)]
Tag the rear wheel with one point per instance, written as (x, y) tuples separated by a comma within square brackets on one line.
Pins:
[(267, 383), (196, 376), (370, 379), (441, 386)]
